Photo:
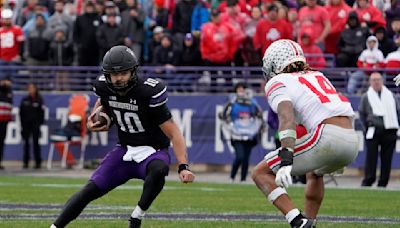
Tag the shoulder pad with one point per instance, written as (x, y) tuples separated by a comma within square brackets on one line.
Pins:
[(100, 85), (157, 91)]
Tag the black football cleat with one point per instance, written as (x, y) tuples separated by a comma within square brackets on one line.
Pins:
[(134, 223), (303, 223)]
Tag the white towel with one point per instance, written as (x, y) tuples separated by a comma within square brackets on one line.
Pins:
[(138, 153), (384, 106)]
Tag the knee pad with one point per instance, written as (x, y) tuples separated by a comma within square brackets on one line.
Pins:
[(276, 193), (158, 168), (162, 170)]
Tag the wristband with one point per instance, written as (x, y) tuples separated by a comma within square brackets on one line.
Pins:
[(288, 133), (183, 167), (286, 156)]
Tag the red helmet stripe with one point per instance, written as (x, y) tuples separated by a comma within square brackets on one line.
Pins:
[(294, 47)]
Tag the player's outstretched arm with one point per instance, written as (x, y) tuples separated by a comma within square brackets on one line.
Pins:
[(397, 80), (178, 142), (287, 136)]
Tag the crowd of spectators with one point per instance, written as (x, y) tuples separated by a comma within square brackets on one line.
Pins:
[(197, 32)]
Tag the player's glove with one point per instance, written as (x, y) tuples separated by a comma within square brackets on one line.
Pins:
[(397, 80), (283, 177)]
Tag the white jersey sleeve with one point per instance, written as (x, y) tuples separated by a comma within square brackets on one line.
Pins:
[(313, 96), (276, 92)]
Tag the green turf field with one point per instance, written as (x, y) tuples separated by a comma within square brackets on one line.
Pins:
[(34, 202)]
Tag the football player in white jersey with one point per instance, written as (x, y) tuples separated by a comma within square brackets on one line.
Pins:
[(300, 95)]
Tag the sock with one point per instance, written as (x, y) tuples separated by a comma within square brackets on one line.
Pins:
[(137, 213), (292, 214)]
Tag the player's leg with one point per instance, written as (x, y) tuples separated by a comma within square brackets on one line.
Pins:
[(305, 160), (336, 148), (75, 205), (154, 182), (155, 169), (112, 172), (314, 193), (264, 178), (265, 181)]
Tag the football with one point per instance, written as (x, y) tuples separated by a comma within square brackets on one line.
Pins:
[(102, 117)]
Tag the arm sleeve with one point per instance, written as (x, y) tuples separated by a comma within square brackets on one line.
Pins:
[(161, 114), (276, 92)]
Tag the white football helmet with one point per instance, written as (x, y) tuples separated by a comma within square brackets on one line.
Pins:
[(279, 55)]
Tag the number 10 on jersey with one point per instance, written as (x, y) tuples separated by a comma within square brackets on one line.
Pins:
[(130, 122)]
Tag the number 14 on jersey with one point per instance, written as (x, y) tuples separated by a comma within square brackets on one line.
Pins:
[(323, 89)]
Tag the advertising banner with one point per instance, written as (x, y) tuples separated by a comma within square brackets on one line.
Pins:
[(196, 116)]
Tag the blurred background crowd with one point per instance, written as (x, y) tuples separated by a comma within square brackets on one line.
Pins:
[(199, 32)]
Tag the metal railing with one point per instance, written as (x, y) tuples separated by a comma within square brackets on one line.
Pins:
[(178, 79)]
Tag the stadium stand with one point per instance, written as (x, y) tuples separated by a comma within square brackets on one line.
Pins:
[(182, 80)]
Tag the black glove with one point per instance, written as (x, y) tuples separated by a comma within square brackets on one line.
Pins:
[(286, 157)]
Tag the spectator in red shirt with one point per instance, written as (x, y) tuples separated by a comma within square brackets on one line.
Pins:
[(250, 54), (217, 47), (244, 5), (271, 29), (237, 20), (369, 15), (338, 12), (313, 53), (11, 37), (216, 41), (316, 18)]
